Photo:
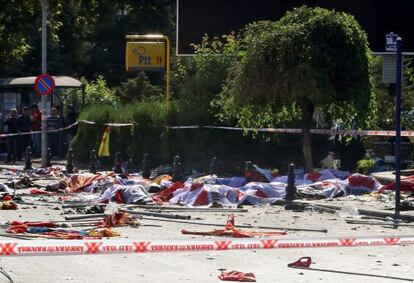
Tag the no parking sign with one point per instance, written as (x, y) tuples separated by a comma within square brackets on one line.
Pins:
[(44, 84)]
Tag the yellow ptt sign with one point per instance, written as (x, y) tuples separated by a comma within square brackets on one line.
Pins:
[(145, 56)]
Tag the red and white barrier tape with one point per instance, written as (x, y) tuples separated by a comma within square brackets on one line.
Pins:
[(318, 131), (38, 132), (275, 130), (114, 246)]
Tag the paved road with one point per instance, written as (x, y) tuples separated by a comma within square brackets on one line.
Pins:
[(267, 265)]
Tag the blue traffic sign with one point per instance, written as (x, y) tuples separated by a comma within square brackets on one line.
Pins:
[(44, 84), (391, 42)]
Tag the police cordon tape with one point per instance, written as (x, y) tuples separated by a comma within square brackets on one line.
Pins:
[(274, 130), (264, 130), (38, 132), (120, 246)]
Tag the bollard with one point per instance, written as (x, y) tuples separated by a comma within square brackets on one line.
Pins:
[(214, 166), (178, 170), (146, 173), (92, 161), (69, 161), (28, 160), (49, 157), (118, 162), (291, 190)]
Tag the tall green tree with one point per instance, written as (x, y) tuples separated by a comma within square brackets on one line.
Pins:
[(312, 58), (16, 19), (85, 38)]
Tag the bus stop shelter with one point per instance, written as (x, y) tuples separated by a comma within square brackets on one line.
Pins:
[(19, 92)]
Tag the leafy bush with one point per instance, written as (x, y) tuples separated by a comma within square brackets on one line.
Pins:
[(365, 164), (195, 146), (137, 89), (97, 92), (149, 118)]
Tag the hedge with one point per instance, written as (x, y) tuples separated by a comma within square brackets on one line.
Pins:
[(150, 134)]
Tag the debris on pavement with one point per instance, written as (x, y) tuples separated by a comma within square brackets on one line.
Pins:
[(305, 262), (53, 230), (4, 272), (231, 230), (7, 203), (237, 276), (104, 202)]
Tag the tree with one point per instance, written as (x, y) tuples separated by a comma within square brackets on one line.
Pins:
[(385, 95), (16, 21), (311, 59), (85, 38), (199, 80)]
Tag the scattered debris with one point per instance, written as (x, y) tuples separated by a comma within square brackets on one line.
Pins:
[(231, 230), (237, 276), (305, 262), (4, 272), (8, 203)]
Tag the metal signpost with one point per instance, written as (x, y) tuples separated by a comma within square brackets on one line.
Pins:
[(44, 71), (398, 127)]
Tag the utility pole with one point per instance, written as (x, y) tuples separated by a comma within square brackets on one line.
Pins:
[(44, 71)]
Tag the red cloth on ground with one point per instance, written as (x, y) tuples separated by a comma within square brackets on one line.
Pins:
[(237, 276), (17, 227), (79, 181), (407, 185), (232, 231), (254, 176), (167, 194), (41, 192)]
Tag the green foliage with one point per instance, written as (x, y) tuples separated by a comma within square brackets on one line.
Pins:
[(97, 92), (149, 116), (311, 58), (365, 164), (201, 81), (385, 95), (85, 38), (137, 89), (15, 25)]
